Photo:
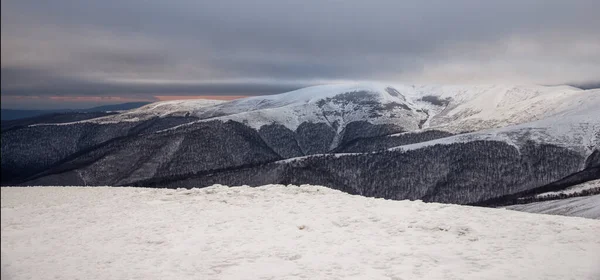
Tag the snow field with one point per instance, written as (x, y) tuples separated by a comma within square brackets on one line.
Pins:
[(280, 232)]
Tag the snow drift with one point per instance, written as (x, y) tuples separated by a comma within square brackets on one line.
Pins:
[(279, 232)]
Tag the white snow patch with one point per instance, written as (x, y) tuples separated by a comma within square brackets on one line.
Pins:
[(474, 108), (176, 106), (279, 232), (577, 132), (595, 184), (156, 109)]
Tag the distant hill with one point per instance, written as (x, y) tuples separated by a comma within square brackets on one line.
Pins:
[(115, 107), (9, 114), (55, 118), (590, 85)]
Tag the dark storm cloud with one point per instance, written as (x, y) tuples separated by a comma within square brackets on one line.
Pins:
[(149, 46), (125, 59)]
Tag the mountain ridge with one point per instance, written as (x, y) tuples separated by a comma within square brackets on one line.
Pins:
[(522, 137), (16, 114)]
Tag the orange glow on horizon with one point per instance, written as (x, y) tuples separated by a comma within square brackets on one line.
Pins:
[(183, 97), (97, 99)]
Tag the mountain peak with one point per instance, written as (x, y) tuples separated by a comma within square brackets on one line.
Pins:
[(315, 93)]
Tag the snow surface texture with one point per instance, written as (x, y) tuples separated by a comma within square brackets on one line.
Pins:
[(279, 232), (586, 207)]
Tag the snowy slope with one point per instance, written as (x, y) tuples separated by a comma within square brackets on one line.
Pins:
[(587, 186), (586, 207), (306, 96), (578, 130), (159, 109), (461, 108), (341, 103), (334, 105), (278, 232), (473, 108), (468, 108), (175, 106)]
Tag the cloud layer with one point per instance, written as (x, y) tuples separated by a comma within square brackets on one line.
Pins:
[(155, 47)]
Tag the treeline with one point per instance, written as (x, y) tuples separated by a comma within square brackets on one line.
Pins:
[(531, 199), (231, 153), (30, 150), (455, 173), (379, 143)]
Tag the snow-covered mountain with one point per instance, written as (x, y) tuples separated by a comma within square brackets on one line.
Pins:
[(280, 232), (459, 144), (449, 108), (474, 108), (156, 109), (313, 104), (454, 109)]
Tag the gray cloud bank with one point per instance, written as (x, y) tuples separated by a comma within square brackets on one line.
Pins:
[(121, 47)]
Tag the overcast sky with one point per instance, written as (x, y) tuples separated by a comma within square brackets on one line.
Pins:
[(64, 53)]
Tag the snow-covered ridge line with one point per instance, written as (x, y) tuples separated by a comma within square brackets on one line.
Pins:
[(336, 155), (568, 131), (314, 93), (591, 185), (470, 108), (95, 121), (577, 133), (288, 232), (293, 108), (156, 109)]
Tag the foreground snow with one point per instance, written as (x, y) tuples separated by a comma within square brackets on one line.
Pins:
[(586, 207), (277, 232)]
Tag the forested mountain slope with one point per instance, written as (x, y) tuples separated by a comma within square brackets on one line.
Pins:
[(458, 144)]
